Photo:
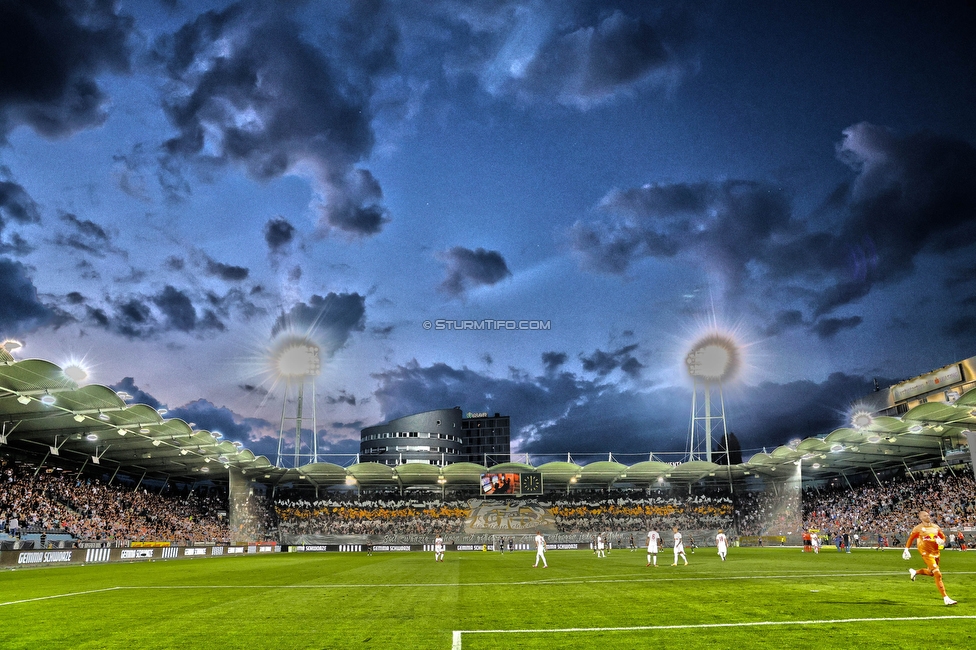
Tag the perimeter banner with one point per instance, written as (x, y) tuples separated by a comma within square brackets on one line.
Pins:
[(497, 518)]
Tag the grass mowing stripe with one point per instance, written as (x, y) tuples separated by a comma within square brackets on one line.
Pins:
[(523, 583), (456, 636)]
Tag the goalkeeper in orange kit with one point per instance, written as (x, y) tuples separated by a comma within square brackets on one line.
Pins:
[(931, 539)]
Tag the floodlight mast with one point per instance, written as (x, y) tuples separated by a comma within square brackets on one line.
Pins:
[(297, 363), (711, 360)]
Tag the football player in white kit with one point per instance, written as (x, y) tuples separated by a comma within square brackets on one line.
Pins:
[(722, 542), (679, 548), (439, 549), (540, 550), (653, 539), (600, 546), (815, 542)]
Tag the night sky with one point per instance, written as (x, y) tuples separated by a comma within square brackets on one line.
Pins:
[(182, 184)]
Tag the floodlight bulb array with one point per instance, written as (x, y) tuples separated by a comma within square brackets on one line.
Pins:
[(713, 358)]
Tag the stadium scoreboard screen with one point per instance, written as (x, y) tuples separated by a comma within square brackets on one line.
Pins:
[(511, 483)]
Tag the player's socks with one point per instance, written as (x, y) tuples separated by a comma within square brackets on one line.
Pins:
[(911, 573), (948, 601)]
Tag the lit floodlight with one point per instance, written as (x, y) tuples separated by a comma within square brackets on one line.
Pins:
[(156, 443), (92, 437), (874, 439), (143, 430), (298, 358), (103, 417), (162, 411), (10, 345), (48, 399), (837, 448), (861, 420), (184, 452), (915, 429), (204, 469), (713, 358), (76, 372), (816, 466)]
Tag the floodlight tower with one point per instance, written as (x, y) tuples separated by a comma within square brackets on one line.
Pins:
[(297, 363), (711, 361)]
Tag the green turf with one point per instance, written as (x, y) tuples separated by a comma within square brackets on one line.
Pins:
[(405, 600)]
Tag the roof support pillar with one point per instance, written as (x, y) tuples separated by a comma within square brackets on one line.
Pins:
[(140, 480), (114, 473), (912, 476), (41, 464), (83, 465), (875, 476), (846, 481)]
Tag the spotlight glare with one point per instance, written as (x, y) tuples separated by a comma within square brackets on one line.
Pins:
[(75, 372), (861, 420), (297, 358), (713, 358), (48, 399)]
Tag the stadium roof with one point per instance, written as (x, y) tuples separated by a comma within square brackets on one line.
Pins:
[(42, 410)]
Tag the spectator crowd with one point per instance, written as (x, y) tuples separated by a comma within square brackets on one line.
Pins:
[(891, 508), (58, 501)]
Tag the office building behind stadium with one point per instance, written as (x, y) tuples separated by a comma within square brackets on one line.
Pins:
[(440, 437)]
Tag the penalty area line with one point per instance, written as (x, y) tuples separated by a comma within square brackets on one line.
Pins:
[(457, 634)]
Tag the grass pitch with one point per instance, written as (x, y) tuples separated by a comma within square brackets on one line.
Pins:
[(765, 598)]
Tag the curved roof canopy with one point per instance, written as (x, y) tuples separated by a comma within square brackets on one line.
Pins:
[(44, 410)]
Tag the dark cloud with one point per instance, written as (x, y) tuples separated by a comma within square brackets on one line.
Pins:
[(295, 274), (86, 236), (828, 327), (329, 320), (342, 398), (147, 316), (205, 415), (560, 413), (553, 360), (15, 203), (467, 269), (574, 53), (603, 363), (51, 53), (16, 206), (177, 308), (727, 225), (910, 196), (174, 263), (274, 103), (128, 385), (226, 271), (783, 321), (20, 309), (278, 234)]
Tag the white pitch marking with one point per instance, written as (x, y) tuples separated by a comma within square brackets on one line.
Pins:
[(456, 644), (73, 593)]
